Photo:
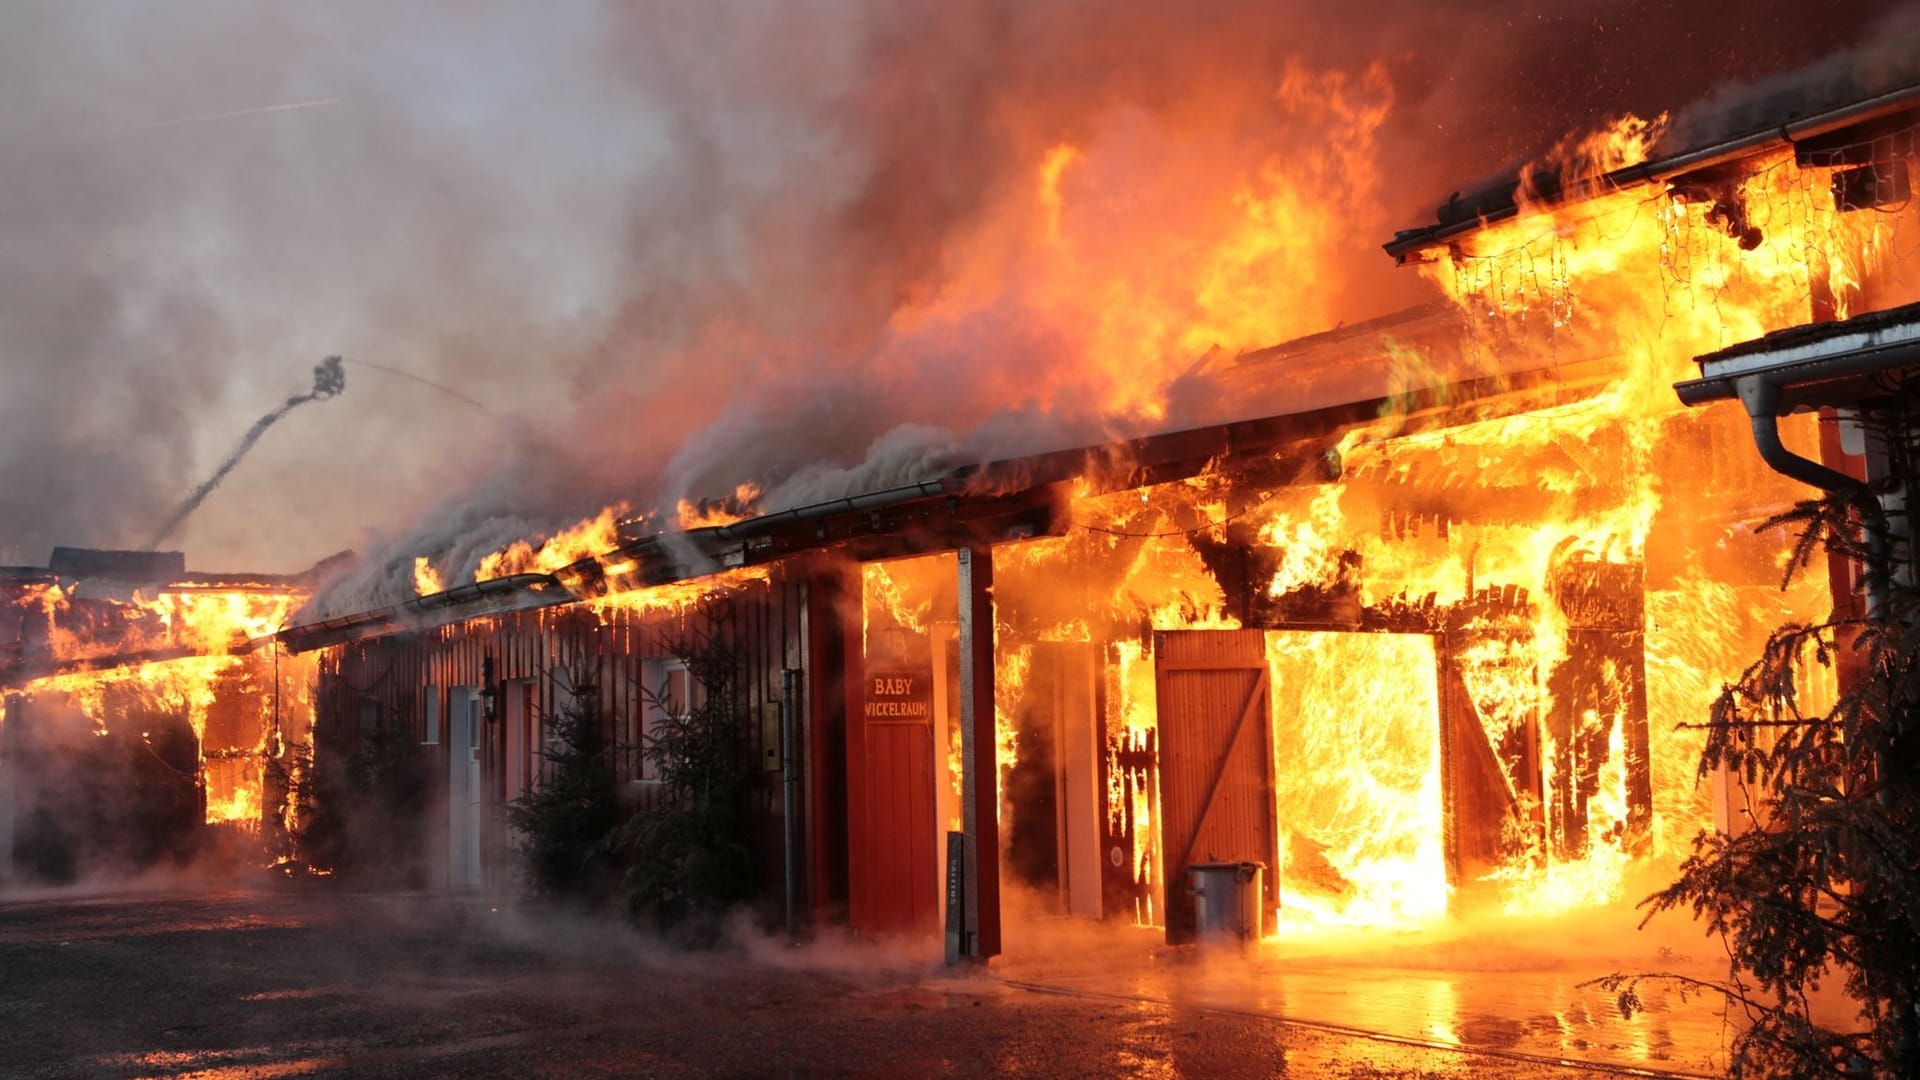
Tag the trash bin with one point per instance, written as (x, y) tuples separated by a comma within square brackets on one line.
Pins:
[(1227, 902)]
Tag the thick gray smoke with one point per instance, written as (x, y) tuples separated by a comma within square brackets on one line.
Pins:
[(174, 255), (1887, 59), (682, 246)]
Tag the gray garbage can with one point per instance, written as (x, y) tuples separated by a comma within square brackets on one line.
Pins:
[(1227, 901)]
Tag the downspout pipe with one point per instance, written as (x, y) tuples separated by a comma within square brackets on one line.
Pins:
[(790, 792), (1762, 400), (1761, 397)]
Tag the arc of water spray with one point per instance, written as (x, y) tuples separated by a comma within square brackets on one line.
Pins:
[(521, 433), (475, 403), (206, 118), (328, 380)]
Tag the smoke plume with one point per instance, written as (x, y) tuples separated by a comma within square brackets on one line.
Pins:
[(683, 246)]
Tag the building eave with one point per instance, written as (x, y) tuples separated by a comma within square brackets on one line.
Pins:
[(1822, 364), (499, 596), (1413, 245)]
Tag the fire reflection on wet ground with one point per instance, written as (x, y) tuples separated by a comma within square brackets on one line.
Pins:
[(1508, 996), (309, 983)]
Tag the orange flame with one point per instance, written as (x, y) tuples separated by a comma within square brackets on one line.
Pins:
[(592, 536), (704, 514), (1489, 526), (426, 579), (194, 631)]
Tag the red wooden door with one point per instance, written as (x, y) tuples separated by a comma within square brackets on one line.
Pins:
[(902, 871), (1216, 759)]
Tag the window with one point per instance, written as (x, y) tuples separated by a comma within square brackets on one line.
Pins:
[(621, 697), (669, 690), (679, 701), (430, 735)]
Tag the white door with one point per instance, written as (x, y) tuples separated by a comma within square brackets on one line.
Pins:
[(464, 791)]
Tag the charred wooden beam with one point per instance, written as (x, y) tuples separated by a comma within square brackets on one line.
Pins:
[(18, 674), (1131, 767), (1601, 683)]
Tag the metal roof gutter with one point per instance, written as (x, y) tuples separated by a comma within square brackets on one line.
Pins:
[(876, 500), (1832, 364), (1413, 241), (1813, 365), (497, 596), (1799, 381)]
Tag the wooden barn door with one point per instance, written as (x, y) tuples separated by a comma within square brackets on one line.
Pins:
[(900, 812), (1216, 759), (1489, 765)]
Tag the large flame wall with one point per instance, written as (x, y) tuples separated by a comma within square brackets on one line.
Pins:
[(1593, 562), (150, 676)]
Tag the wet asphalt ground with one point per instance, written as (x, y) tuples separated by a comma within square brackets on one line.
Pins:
[(315, 982)]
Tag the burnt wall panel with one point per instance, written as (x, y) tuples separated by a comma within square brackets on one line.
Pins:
[(389, 678)]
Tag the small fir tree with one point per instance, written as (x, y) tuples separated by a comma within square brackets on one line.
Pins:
[(566, 821), (687, 858)]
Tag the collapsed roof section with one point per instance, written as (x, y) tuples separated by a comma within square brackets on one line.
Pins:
[(97, 609)]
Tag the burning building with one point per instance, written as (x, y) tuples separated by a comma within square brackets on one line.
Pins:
[(1420, 649), (146, 710)]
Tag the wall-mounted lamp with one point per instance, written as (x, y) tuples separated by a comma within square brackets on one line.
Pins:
[(489, 691)]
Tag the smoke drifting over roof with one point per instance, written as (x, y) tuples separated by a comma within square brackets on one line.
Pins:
[(675, 246)]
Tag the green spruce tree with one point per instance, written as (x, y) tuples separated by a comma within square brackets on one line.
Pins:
[(566, 821), (687, 857), (1826, 885)]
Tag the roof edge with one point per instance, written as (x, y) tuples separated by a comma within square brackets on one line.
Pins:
[(1407, 244)]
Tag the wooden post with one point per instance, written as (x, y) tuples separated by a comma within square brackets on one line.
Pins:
[(832, 604), (860, 869), (11, 745), (979, 767)]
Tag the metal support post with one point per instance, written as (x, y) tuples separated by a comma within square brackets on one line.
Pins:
[(979, 797)]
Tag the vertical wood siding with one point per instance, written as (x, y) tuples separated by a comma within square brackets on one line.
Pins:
[(393, 676)]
